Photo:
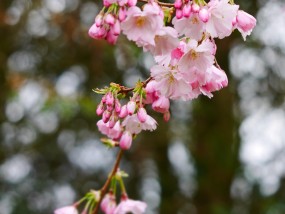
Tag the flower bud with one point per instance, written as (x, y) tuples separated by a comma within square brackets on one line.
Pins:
[(112, 121), (161, 104), (99, 20), (66, 210), (187, 10), (132, 3), (106, 116), (122, 14), (126, 140), (100, 109), (142, 115), (109, 99), (124, 112), (179, 14), (116, 28), (117, 106), (108, 204), (131, 107), (204, 15), (245, 21), (166, 116), (109, 19), (195, 8), (111, 38), (178, 4)]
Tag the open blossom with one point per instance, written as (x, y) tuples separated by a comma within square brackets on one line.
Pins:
[(130, 206), (215, 80), (221, 17), (66, 210), (170, 82), (199, 56), (135, 126), (113, 133), (142, 26), (108, 204), (245, 23), (191, 27), (166, 40)]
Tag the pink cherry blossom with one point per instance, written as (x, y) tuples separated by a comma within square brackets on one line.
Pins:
[(130, 206), (199, 56), (191, 27), (66, 210), (204, 15), (245, 23), (166, 40), (108, 204), (142, 114), (215, 80), (113, 133), (142, 26), (131, 107), (126, 140), (170, 82), (161, 105), (222, 15), (135, 126)]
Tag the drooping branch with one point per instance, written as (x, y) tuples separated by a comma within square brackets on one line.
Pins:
[(108, 181)]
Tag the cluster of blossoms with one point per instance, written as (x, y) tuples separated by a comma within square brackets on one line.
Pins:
[(181, 37)]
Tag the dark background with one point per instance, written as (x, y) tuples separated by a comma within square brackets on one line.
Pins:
[(219, 155)]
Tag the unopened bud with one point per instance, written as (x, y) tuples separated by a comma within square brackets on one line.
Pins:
[(131, 107), (100, 109), (124, 112), (142, 115), (126, 140), (195, 8), (204, 15), (106, 116), (187, 10)]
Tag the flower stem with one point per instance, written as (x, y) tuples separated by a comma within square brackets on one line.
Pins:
[(108, 181)]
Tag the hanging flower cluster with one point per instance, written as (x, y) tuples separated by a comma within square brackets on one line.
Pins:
[(181, 37)]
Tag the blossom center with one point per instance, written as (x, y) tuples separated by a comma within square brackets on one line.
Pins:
[(194, 20), (194, 55), (140, 21)]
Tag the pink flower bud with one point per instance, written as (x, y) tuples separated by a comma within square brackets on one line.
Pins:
[(179, 14), (131, 107), (161, 104), (110, 19), (187, 10), (112, 121), (109, 99), (245, 21), (100, 109), (166, 116), (108, 204), (178, 4), (195, 8), (204, 15), (106, 116), (106, 3), (142, 115), (126, 140), (116, 28), (66, 210), (123, 112), (117, 106), (122, 14), (132, 3), (99, 20), (111, 38)]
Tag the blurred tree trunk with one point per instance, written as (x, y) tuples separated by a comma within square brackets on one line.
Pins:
[(215, 149)]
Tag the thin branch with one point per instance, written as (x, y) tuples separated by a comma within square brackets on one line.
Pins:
[(126, 89), (159, 3), (107, 183)]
